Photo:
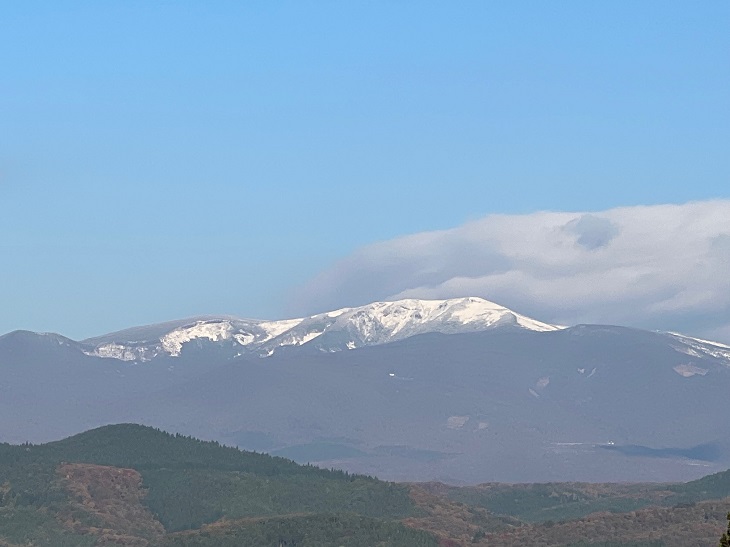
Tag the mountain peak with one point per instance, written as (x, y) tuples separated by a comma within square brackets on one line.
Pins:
[(346, 328), (402, 318)]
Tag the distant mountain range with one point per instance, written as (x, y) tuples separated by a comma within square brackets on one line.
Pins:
[(461, 390)]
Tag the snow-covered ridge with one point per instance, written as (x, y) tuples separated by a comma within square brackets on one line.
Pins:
[(346, 328), (173, 341), (343, 329), (383, 322), (696, 347)]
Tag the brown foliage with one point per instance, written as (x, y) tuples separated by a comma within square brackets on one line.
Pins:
[(696, 525), (453, 523), (107, 502)]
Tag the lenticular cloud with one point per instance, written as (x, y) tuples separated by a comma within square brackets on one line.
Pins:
[(662, 267)]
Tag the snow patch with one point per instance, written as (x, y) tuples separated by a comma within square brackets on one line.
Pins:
[(214, 331), (690, 370), (277, 328), (244, 338), (309, 337), (299, 340), (335, 313), (456, 422), (120, 352), (700, 340)]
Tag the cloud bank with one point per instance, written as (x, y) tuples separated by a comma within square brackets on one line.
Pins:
[(660, 267)]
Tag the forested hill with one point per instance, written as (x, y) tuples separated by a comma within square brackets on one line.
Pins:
[(133, 485), (140, 447), (140, 485)]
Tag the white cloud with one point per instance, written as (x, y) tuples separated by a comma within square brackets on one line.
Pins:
[(661, 267)]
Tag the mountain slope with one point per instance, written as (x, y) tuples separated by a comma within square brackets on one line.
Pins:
[(459, 391), (500, 405)]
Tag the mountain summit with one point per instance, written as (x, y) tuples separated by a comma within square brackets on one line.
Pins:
[(346, 328)]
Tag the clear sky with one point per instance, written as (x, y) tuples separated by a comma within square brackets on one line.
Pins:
[(162, 159)]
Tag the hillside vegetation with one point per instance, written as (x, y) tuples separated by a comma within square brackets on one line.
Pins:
[(183, 484), (133, 485), (541, 502)]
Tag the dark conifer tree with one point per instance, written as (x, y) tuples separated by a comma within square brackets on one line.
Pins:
[(725, 539)]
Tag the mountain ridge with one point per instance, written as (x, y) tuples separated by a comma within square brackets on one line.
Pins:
[(337, 330)]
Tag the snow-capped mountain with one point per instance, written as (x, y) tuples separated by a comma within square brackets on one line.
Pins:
[(346, 328), (481, 394)]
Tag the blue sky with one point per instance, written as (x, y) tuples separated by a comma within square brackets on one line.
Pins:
[(164, 159)]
